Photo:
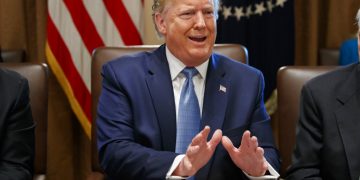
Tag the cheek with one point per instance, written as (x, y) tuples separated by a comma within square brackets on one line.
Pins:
[(181, 24), (211, 25)]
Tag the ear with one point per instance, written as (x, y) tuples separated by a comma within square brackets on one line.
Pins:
[(160, 23)]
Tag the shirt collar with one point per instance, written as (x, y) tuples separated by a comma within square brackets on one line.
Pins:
[(176, 66)]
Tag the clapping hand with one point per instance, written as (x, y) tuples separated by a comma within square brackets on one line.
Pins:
[(198, 153), (249, 156)]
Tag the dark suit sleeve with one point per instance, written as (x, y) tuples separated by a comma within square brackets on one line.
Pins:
[(261, 127), (17, 146), (121, 152), (306, 156)]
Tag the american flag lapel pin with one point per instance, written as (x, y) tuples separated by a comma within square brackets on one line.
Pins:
[(222, 88)]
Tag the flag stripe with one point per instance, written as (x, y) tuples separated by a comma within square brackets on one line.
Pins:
[(84, 24), (74, 103), (61, 52), (123, 22), (103, 23), (135, 14), (75, 28), (79, 55)]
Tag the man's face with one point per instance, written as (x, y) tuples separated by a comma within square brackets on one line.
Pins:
[(189, 29)]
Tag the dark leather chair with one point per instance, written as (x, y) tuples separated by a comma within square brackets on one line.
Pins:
[(13, 56), (290, 80), (329, 57), (37, 75), (105, 54)]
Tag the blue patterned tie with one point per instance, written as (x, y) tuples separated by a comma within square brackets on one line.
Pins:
[(189, 113)]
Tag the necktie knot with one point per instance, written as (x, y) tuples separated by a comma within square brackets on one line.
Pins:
[(189, 72)]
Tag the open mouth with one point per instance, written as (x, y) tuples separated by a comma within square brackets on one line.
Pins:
[(198, 39)]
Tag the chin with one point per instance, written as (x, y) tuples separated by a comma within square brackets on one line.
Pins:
[(201, 53), (201, 58)]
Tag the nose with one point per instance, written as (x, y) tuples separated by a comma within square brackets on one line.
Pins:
[(199, 20)]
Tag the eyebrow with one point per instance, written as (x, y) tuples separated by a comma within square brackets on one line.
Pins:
[(187, 7)]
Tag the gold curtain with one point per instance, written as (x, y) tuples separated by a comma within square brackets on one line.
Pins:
[(318, 24)]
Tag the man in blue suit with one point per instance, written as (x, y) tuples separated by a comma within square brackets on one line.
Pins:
[(138, 107)]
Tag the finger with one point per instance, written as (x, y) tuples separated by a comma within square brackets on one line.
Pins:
[(205, 132), (265, 165), (192, 150), (201, 137), (264, 168), (253, 143), (260, 153), (228, 145), (215, 139), (245, 141)]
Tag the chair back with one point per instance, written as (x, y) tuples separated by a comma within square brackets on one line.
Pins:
[(329, 56), (290, 80), (102, 55), (37, 76), (13, 56)]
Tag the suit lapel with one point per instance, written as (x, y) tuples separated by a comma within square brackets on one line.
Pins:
[(347, 116), (215, 96), (160, 87), (215, 101)]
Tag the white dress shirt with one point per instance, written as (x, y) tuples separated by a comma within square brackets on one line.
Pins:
[(178, 79)]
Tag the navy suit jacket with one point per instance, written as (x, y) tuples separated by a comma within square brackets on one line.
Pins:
[(136, 123), (327, 144)]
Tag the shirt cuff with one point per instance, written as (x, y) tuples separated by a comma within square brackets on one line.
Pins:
[(273, 172), (174, 165)]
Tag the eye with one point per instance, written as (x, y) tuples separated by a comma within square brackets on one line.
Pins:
[(186, 14), (209, 13)]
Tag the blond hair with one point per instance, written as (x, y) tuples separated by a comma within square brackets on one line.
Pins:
[(159, 5)]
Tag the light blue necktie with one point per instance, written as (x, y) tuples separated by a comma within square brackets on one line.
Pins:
[(188, 123)]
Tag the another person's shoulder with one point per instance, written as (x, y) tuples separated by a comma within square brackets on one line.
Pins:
[(10, 78), (12, 85)]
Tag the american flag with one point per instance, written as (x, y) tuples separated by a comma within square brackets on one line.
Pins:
[(74, 29)]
